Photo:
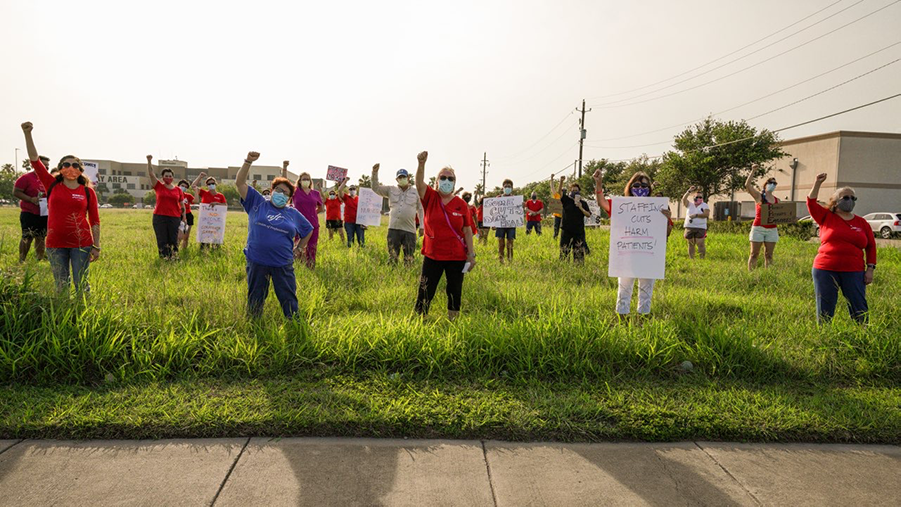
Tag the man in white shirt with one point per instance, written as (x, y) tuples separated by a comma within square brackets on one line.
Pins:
[(696, 222), (403, 199)]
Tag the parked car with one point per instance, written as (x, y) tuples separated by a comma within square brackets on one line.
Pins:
[(816, 226), (884, 224), (107, 205)]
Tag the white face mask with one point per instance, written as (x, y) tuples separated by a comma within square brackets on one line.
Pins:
[(353, 193), (211, 187)]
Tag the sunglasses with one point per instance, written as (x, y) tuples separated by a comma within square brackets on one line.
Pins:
[(849, 198), (640, 185), (447, 178), (66, 165)]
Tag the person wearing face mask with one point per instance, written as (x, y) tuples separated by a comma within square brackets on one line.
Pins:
[(696, 215), (480, 216), (32, 218), (350, 200), (534, 207), (572, 223), (185, 234), (208, 196), (403, 200), (505, 235), (839, 264), (473, 211), (73, 220), (761, 235), (639, 185), (272, 231), (169, 212), (308, 202), (333, 220), (447, 247)]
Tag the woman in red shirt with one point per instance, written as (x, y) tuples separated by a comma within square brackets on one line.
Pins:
[(765, 236), (333, 220), (209, 196), (839, 264), (169, 213), (447, 243), (73, 222), (184, 235)]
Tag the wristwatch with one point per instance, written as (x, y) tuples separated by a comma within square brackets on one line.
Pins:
[(871, 266)]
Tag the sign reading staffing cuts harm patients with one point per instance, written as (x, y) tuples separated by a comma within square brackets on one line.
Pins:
[(211, 224), (369, 208), (335, 173), (503, 212), (638, 237)]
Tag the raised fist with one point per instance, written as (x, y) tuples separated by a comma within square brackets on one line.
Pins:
[(821, 177), (285, 163), (376, 167), (149, 158), (597, 174), (692, 188), (562, 178), (422, 157), (202, 174), (27, 127), (252, 156)]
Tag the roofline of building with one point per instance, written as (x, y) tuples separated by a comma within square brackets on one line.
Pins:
[(842, 133)]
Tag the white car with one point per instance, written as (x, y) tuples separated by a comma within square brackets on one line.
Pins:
[(885, 225), (107, 205)]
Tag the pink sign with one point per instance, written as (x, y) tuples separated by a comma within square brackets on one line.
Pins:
[(335, 173)]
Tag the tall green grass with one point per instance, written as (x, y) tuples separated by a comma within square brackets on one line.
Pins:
[(148, 320)]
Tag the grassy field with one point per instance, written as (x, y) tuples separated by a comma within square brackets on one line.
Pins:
[(164, 349)]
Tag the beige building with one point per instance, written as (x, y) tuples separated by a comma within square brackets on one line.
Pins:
[(133, 177), (869, 162)]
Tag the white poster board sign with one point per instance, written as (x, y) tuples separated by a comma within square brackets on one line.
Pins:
[(369, 208), (595, 219), (211, 224), (503, 212), (42, 204), (638, 237), (91, 170)]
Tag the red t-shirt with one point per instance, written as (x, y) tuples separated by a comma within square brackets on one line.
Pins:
[(207, 198), (842, 242), (757, 214), (189, 200), (534, 206), (474, 214), (168, 200), (71, 213), (333, 209), (350, 208), (440, 242), (30, 185), (480, 214)]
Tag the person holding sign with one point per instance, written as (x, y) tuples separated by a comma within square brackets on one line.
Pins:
[(638, 186), (403, 199), (189, 216), (447, 244), (573, 222), (73, 220), (309, 203), (208, 196), (761, 235), (696, 215), (168, 214), (351, 201), (33, 212), (533, 216), (272, 227), (558, 217), (505, 235), (839, 264), (333, 220)]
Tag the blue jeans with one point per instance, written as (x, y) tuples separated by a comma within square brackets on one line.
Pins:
[(60, 261), (283, 281), (355, 231), (826, 285)]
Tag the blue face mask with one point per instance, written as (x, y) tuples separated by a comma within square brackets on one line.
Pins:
[(641, 192), (446, 187), (279, 199), (508, 190), (211, 187), (770, 187)]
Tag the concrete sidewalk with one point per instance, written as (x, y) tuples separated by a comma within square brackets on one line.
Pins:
[(334, 471)]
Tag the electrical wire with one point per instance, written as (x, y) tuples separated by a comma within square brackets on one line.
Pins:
[(511, 157)]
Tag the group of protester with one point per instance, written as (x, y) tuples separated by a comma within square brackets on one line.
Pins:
[(60, 210)]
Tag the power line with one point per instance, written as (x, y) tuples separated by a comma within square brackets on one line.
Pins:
[(755, 100), (771, 111), (542, 150), (540, 139), (609, 106), (720, 58)]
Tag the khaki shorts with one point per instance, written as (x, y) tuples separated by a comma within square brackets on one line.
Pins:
[(695, 233), (760, 234)]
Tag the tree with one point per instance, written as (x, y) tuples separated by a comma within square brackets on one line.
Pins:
[(479, 190), (716, 156), (121, 197), (8, 176), (149, 198), (230, 192), (432, 181), (365, 182)]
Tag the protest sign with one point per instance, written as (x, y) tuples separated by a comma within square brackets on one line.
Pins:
[(335, 173), (595, 219), (369, 208), (782, 213), (211, 224), (42, 203), (554, 206), (503, 212), (91, 170), (638, 237)]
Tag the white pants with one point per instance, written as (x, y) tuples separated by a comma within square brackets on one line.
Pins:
[(624, 295)]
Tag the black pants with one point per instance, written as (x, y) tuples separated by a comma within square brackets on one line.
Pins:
[(573, 242), (166, 229), (398, 239), (428, 283), (557, 222)]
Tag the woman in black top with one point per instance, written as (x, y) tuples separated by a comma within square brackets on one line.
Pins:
[(572, 226)]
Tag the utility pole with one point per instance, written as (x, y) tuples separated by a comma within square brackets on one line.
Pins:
[(485, 165), (582, 133)]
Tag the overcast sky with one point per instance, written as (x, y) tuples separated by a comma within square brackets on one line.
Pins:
[(354, 83)]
